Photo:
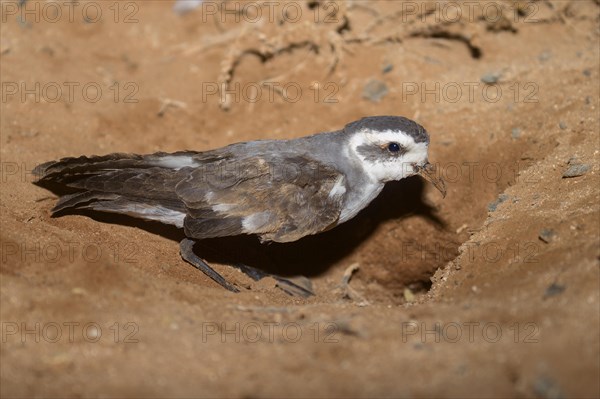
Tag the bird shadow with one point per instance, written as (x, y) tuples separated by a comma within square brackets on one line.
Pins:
[(309, 256)]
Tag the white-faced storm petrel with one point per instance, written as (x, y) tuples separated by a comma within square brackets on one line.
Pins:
[(279, 190)]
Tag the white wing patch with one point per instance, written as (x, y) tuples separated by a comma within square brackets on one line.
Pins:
[(174, 161), (157, 213), (256, 222), (223, 208), (339, 188)]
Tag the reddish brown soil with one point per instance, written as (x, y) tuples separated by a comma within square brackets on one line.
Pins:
[(490, 292)]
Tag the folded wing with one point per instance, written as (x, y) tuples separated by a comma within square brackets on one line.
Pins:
[(210, 194), (280, 199)]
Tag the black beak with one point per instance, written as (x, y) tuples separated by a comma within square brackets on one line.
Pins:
[(427, 171)]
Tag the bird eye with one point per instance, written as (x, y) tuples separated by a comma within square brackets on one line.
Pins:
[(394, 147)]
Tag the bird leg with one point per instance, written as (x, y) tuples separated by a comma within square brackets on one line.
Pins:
[(286, 285), (186, 249)]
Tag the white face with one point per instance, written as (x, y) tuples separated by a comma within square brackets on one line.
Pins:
[(389, 155)]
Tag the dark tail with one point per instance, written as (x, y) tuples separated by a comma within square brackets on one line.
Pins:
[(138, 185)]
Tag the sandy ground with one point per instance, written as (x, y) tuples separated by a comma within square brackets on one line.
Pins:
[(490, 292)]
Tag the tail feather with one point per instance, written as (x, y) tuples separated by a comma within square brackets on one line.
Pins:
[(76, 199), (140, 209), (68, 167), (137, 185)]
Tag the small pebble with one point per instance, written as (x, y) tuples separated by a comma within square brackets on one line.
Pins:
[(375, 90), (547, 235), (544, 56), (554, 289), (23, 22), (516, 133), (547, 388), (408, 295), (490, 78), (587, 72), (493, 205), (431, 60), (388, 68), (184, 6), (576, 170), (562, 125)]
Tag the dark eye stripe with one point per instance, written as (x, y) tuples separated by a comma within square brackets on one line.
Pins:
[(381, 152)]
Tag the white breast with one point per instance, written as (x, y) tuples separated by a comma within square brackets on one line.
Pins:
[(360, 198)]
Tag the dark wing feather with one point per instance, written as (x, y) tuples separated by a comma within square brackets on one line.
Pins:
[(121, 183), (282, 199)]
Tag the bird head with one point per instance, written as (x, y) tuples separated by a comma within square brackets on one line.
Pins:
[(392, 148)]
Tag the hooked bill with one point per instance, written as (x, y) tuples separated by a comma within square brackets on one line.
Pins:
[(428, 172)]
